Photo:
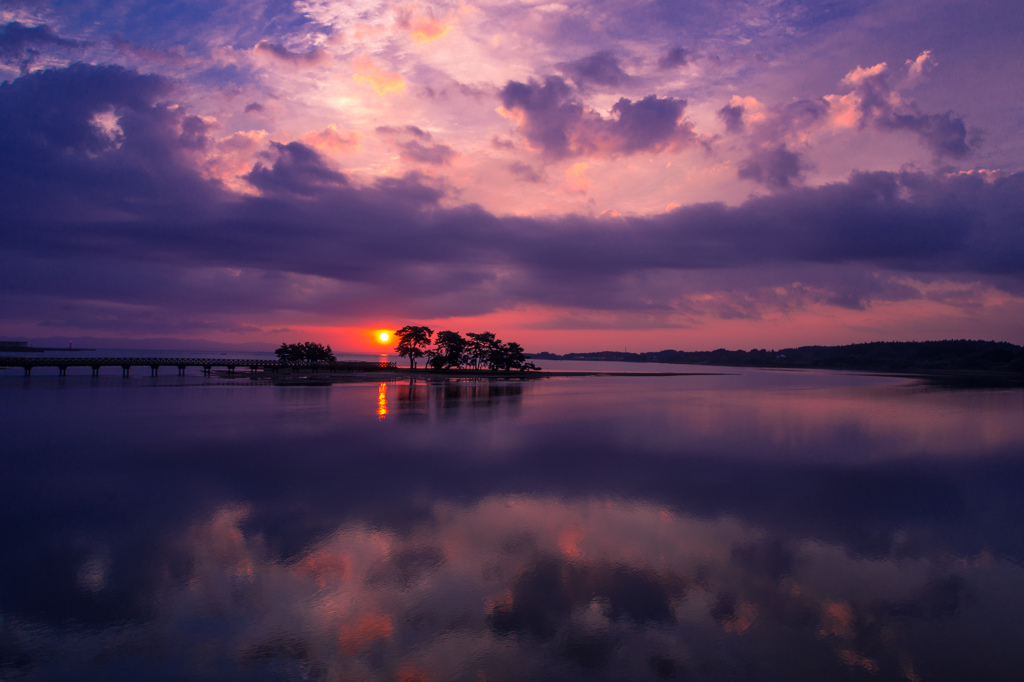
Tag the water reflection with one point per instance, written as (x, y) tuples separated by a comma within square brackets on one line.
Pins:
[(706, 528), (526, 587), (455, 399)]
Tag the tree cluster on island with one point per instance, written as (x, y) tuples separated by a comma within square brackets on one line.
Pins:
[(451, 350), (307, 352)]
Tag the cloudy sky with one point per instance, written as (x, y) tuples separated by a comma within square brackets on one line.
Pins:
[(574, 176)]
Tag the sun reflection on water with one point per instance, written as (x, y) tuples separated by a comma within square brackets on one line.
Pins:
[(382, 401)]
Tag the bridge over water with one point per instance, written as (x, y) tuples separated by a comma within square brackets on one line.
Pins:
[(207, 364)]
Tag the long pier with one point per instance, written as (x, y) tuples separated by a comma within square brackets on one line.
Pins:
[(207, 364)]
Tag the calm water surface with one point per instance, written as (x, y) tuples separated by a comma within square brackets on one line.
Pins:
[(751, 526)]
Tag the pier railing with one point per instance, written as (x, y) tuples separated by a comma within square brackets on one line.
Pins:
[(207, 364)]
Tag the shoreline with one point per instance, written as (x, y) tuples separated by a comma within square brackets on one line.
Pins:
[(938, 378), (326, 378)]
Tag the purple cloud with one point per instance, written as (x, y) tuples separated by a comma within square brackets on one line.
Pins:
[(296, 170), (556, 122), (674, 58), (58, 160), (771, 161), (106, 223), (21, 45), (732, 116), (601, 68), (525, 172), (421, 148), (434, 154), (309, 58), (648, 124), (945, 134), (776, 168)]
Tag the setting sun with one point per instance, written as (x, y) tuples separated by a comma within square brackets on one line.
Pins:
[(384, 336)]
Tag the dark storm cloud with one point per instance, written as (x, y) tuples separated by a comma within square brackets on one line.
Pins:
[(554, 120), (125, 219), (253, 106), (601, 68), (20, 44)]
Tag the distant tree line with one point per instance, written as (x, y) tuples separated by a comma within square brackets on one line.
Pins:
[(307, 352), (889, 356), (451, 350)]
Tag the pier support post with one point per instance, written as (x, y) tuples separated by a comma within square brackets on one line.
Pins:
[(206, 370), (63, 370), (154, 370), (252, 369), (125, 369), (231, 369), (95, 370), (181, 370), (28, 370)]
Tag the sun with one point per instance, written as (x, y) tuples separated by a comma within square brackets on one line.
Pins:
[(384, 336)]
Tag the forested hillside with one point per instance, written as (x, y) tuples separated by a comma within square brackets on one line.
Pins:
[(889, 356)]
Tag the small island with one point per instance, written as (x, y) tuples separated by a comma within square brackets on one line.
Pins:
[(451, 350)]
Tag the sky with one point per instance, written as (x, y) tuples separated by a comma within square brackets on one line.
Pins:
[(572, 176)]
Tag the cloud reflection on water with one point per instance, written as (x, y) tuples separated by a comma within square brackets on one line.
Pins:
[(802, 526), (526, 587)]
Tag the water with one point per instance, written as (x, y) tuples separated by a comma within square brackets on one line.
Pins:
[(755, 525)]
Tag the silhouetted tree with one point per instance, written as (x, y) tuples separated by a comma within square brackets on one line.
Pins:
[(480, 346), (508, 356), (413, 342), (448, 351), (451, 350), (316, 353), (305, 352), (289, 352), (514, 357)]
